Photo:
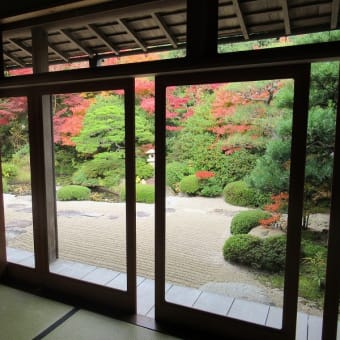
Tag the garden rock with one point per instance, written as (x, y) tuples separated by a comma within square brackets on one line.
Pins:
[(263, 232)]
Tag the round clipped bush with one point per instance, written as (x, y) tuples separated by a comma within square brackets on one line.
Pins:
[(273, 257), (244, 221), (145, 193), (73, 193), (189, 185), (243, 249), (175, 171), (240, 194), (268, 254)]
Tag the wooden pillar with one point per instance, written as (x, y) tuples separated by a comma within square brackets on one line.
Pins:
[(42, 161), (202, 26), (2, 213), (332, 293)]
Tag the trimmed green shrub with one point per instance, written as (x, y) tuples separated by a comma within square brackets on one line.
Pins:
[(273, 257), (267, 254), (240, 194), (189, 185), (244, 221), (243, 249), (73, 193), (143, 169), (238, 165), (105, 169), (210, 187), (145, 193), (9, 170), (175, 172)]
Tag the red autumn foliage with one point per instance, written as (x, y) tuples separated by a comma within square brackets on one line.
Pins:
[(11, 108), (148, 105), (270, 220), (144, 87), (173, 128), (68, 121), (278, 201), (204, 174)]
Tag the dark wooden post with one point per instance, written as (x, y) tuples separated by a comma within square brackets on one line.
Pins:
[(332, 293), (202, 25), (42, 162), (2, 215)]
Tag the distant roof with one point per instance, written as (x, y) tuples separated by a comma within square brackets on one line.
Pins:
[(79, 30)]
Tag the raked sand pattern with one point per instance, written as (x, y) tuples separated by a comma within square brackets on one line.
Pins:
[(196, 228)]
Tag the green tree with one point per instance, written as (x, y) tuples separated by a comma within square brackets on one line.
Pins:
[(104, 124), (272, 170)]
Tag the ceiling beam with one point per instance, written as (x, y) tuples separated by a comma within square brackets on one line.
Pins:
[(14, 59), (335, 14), (132, 34), (240, 18), (76, 41), (101, 36), (286, 19), (21, 46), (164, 28), (59, 53)]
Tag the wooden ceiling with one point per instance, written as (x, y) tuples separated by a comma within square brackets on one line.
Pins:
[(100, 28)]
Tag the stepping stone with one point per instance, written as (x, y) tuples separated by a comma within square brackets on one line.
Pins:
[(220, 211), (16, 205), (142, 214), (25, 210), (249, 311), (183, 296), (91, 214), (112, 217), (213, 303), (69, 213), (19, 224)]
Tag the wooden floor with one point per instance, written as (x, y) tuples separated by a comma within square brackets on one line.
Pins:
[(308, 326)]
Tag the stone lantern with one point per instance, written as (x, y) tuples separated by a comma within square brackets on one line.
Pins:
[(151, 156)]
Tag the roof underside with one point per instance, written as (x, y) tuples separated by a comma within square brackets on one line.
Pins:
[(113, 29)]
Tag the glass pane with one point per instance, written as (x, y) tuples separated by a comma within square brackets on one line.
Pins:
[(259, 35), (227, 173), (318, 181), (16, 177), (89, 146)]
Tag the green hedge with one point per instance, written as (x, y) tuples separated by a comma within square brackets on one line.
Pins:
[(244, 221), (243, 249), (273, 257), (189, 185), (73, 193), (240, 194), (268, 254), (210, 187)]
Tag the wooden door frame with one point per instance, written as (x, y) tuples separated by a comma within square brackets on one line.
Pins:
[(167, 312), (43, 237)]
